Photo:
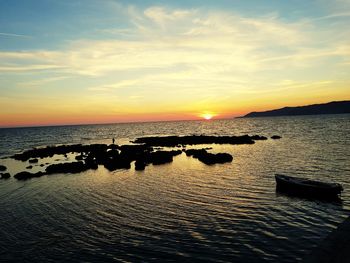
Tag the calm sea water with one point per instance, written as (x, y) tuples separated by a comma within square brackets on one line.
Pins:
[(183, 211)]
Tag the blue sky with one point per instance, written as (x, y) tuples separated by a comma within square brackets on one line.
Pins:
[(49, 24), (155, 60)]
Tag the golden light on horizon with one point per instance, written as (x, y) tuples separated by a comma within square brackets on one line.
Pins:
[(207, 116)]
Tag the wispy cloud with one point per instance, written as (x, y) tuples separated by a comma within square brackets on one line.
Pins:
[(13, 35)]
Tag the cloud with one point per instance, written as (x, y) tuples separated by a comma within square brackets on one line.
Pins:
[(41, 82), (13, 35), (189, 50)]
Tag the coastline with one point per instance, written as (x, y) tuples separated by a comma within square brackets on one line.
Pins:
[(334, 248)]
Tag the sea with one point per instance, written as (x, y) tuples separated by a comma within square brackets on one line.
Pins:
[(184, 211)]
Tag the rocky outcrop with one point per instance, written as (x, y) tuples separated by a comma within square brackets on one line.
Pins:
[(74, 167), (140, 165), (162, 157), (174, 141), (61, 149), (3, 168), (4, 175), (27, 175), (209, 158), (114, 157)]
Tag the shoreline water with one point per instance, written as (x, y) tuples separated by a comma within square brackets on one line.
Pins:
[(335, 248)]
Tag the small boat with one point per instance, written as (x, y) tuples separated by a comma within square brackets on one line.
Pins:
[(306, 187)]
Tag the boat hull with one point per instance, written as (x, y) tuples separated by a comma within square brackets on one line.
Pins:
[(308, 188)]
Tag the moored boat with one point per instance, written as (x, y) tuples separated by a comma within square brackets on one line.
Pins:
[(307, 187)]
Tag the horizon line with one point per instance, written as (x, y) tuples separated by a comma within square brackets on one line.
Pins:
[(110, 123)]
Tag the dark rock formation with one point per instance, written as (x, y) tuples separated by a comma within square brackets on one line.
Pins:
[(49, 151), (91, 162), (2, 168), (209, 158), (335, 107), (173, 141), (5, 175), (114, 157), (120, 162), (27, 175), (74, 167), (276, 137), (140, 165), (79, 157), (29, 167), (258, 138), (161, 157)]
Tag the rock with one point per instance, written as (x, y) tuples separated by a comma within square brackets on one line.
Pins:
[(173, 141), (140, 165), (113, 146), (33, 161), (29, 167), (276, 137), (209, 158), (117, 163), (5, 175), (176, 152), (91, 162), (79, 157), (3, 168), (50, 151), (258, 138), (42, 165), (27, 175), (161, 157), (74, 167)]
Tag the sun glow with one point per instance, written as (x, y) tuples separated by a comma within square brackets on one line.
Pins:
[(207, 116)]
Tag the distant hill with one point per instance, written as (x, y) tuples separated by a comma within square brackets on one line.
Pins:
[(334, 107)]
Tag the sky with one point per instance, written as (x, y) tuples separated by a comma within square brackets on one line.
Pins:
[(106, 61)]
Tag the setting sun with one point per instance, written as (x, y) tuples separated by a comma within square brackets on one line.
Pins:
[(207, 116)]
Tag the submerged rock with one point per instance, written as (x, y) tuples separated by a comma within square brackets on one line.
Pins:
[(258, 138), (3, 168), (29, 167), (276, 137), (5, 175), (33, 161)]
